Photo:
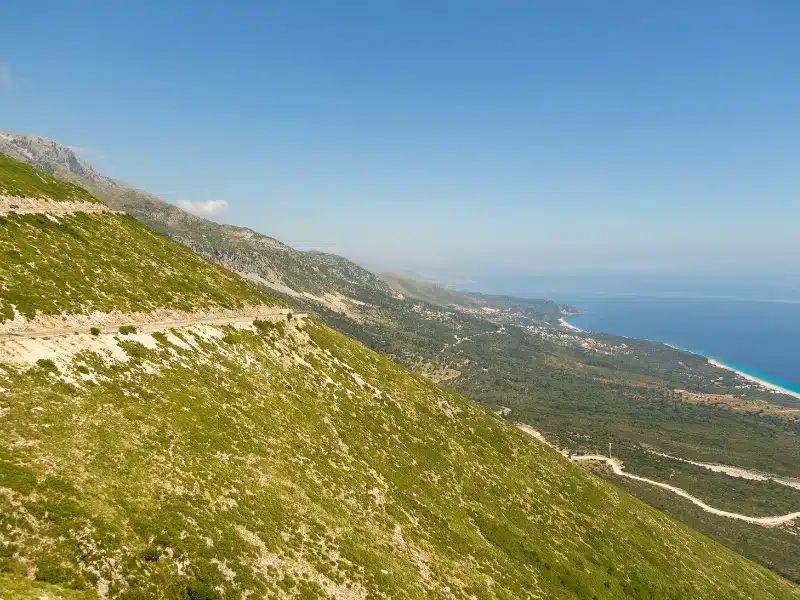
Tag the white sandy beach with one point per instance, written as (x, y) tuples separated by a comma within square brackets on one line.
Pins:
[(569, 325), (761, 382)]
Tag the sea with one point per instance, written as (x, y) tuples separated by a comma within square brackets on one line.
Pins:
[(758, 337)]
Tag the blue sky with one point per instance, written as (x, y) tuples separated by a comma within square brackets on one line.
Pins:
[(448, 137)]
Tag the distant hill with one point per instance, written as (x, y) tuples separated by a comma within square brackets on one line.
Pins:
[(581, 391), (425, 290)]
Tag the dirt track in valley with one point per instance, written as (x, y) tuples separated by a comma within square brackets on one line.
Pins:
[(618, 469)]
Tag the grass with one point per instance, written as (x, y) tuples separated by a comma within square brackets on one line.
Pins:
[(776, 548), (106, 262), (290, 461), (20, 180), (308, 477), (17, 587)]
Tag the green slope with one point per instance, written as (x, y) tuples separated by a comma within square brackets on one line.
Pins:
[(579, 398), (286, 460), (235, 457), (21, 588), (20, 180), (105, 262)]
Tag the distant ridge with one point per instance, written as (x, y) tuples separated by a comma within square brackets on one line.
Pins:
[(425, 290)]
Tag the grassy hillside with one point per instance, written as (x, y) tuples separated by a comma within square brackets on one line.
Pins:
[(290, 460), (105, 262), (20, 180), (283, 459), (581, 391), (19, 587)]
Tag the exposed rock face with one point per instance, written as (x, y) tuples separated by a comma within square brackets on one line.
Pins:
[(46, 154)]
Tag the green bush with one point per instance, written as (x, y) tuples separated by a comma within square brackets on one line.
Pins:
[(127, 329), (95, 331), (199, 591), (134, 594), (150, 554), (47, 365), (50, 571), (10, 564)]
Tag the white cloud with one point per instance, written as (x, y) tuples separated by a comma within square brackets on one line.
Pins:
[(6, 81), (79, 150), (204, 209)]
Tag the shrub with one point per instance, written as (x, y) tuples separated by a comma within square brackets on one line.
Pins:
[(150, 554), (13, 565), (7, 550), (95, 331), (199, 591), (50, 571), (134, 593), (47, 365), (127, 329)]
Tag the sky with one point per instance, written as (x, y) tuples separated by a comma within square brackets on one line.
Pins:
[(443, 137)]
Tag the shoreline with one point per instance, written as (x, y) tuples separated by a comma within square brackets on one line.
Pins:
[(569, 325), (762, 382)]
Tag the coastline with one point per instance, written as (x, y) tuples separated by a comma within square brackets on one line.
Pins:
[(762, 382), (768, 385), (569, 325), (785, 388)]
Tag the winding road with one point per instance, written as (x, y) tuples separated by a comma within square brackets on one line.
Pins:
[(617, 469)]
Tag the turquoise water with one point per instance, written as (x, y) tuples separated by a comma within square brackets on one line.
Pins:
[(760, 338)]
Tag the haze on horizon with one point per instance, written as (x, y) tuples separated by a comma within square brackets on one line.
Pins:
[(450, 138)]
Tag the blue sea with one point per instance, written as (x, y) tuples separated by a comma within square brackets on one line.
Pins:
[(761, 338)]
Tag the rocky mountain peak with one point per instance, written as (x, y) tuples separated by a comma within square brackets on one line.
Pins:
[(49, 155)]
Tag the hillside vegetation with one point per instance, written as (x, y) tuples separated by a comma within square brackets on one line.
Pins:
[(88, 262), (581, 391), (282, 459), (23, 181)]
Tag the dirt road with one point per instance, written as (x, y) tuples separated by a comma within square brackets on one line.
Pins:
[(617, 468), (31, 206), (150, 326), (737, 471)]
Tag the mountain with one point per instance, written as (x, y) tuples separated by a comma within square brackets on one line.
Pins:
[(425, 290), (580, 391), (256, 256), (187, 436)]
